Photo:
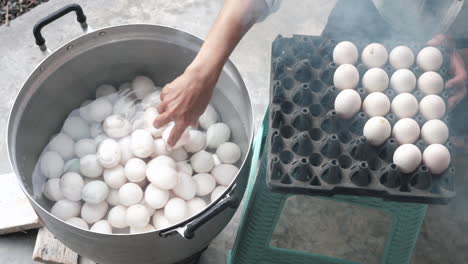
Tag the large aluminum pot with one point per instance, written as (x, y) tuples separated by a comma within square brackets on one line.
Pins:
[(113, 55)]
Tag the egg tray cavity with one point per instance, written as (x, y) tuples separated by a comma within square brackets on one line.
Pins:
[(312, 151)]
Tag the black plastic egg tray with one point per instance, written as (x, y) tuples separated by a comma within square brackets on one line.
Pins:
[(312, 151)]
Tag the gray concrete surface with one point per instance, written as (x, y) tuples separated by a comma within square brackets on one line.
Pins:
[(308, 224)]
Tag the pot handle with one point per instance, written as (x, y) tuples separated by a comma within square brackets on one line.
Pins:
[(188, 231), (80, 17), (231, 200)]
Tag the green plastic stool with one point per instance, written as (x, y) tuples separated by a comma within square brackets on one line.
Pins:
[(263, 209)]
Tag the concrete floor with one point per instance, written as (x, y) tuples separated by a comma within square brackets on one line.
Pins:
[(308, 224)]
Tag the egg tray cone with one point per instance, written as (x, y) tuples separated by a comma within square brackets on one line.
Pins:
[(312, 151)]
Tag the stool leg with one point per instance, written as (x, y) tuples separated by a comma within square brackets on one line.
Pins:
[(404, 232), (259, 222)]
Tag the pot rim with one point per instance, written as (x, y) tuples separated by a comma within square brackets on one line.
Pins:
[(180, 227)]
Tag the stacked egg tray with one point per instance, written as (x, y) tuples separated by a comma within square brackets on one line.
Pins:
[(312, 151)]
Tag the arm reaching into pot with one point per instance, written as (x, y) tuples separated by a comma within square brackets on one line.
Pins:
[(185, 99)]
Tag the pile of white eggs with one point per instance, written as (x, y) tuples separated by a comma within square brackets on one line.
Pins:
[(110, 170), (404, 105)]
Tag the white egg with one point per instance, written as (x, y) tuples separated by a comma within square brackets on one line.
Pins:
[(95, 129), (184, 167), (63, 145), (224, 174), (155, 197), (229, 152), (432, 107), (72, 165), (407, 157), (125, 107), (217, 134), (375, 80), (202, 162), (115, 177), (52, 190), (51, 164), (217, 192), (143, 86), (195, 206), (163, 160), (403, 81), (176, 210), (117, 216), (346, 77), (139, 230), (92, 213), (160, 148), (142, 143), (437, 158), (100, 109), (65, 209), (126, 153), (135, 170), (149, 116), (160, 221), (162, 176), (94, 192), (152, 99), (406, 131), (216, 161), (434, 132), (76, 127), (347, 103), (78, 222), (130, 194), (85, 147), (71, 185), (374, 55), (345, 52), (429, 59), (404, 105), (116, 126), (186, 187), (137, 216), (376, 130), (208, 118), (401, 57), (184, 138), (431, 83), (106, 90), (113, 197), (196, 142), (179, 154), (205, 183), (84, 111), (90, 166), (102, 227), (376, 104), (108, 153)]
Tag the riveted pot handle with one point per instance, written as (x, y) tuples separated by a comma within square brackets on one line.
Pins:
[(230, 201), (80, 17)]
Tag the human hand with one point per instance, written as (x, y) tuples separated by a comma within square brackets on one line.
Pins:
[(457, 66), (184, 100)]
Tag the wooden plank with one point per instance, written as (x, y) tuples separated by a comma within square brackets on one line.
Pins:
[(16, 214), (51, 251)]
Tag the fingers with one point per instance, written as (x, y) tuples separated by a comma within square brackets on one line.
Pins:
[(161, 107), (456, 81), (176, 133), (458, 69), (163, 119), (438, 40), (456, 98)]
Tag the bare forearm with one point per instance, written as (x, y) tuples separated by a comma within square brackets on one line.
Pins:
[(234, 20)]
